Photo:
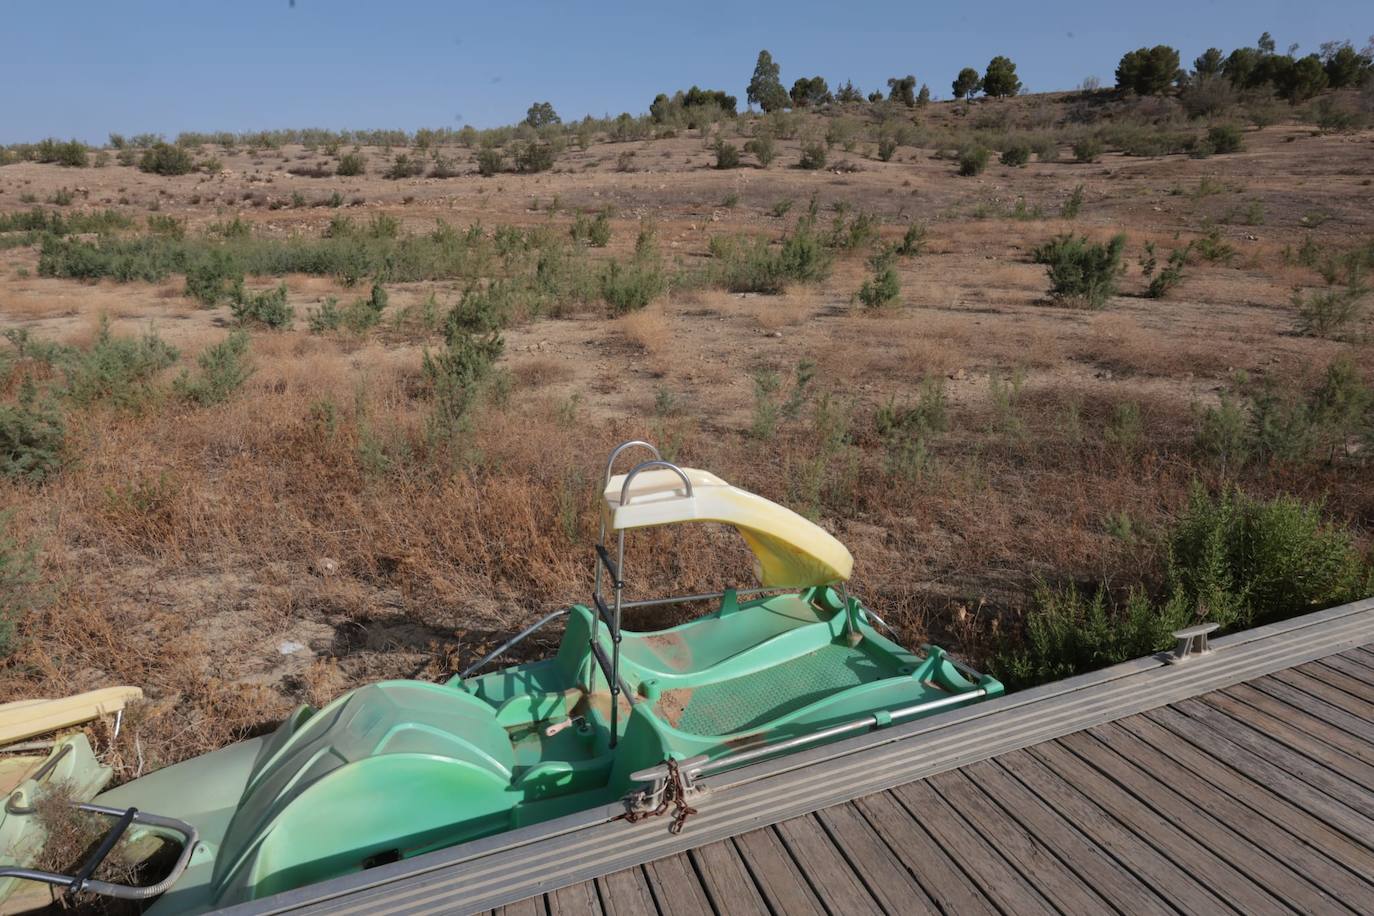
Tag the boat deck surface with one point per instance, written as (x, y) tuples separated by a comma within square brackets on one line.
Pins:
[(1241, 781)]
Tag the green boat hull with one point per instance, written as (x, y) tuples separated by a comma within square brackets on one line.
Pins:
[(400, 768)]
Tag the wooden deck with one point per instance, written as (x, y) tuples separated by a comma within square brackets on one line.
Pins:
[(1258, 798), (1242, 781)]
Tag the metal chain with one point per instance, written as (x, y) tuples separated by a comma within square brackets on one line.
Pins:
[(674, 796)]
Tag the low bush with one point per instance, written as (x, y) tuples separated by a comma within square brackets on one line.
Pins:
[(913, 241), (1242, 562), (883, 289), (1071, 206), (267, 307), (534, 156), (630, 287), (117, 370), (351, 165), (1225, 138), (762, 148), (31, 438), (223, 368), (972, 160), (727, 155), (1171, 275), (744, 265), (166, 159), (1017, 154), (1328, 312), (1087, 149), (490, 160), (405, 166), (455, 376), (1080, 271), (213, 278), (813, 156)]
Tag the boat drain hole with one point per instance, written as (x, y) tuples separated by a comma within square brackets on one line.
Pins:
[(382, 858)]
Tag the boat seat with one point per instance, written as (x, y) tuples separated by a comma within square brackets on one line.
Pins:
[(705, 643)]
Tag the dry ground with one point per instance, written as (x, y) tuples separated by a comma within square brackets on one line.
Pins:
[(238, 559)]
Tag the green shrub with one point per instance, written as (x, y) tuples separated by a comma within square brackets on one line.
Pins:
[(629, 288), (31, 438), (351, 165), (887, 146), (455, 376), (1328, 312), (1080, 271), (267, 307), (223, 369), (727, 155), (913, 241), (166, 159), (534, 156), (1225, 138), (813, 156), (972, 160), (1242, 562), (753, 265), (761, 147), (1071, 206), (1087, 149), (599, 232), (1016, 154), (1171, 275), (213, 278), (883, 289), (119, 370), (490, 160), (1067, 632), (405, 166)]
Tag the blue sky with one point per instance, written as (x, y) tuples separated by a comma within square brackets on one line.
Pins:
[(81, 68)]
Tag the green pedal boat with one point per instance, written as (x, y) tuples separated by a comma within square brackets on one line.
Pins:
[(401, 768)]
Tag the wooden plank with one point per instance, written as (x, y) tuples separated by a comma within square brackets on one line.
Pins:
[(1175, 843), (775, 874), (1351, 794), (1259, 768), (1031, 859), (998, 881), (1266, 797), (1265, 854), (1133, 853), (1324, 692), (626, 893), (575, 900), (1323, 670), (931, 867), (824, 867), (1362, 654), (1122, 890), (1336, 726), (726, 880), (530, 906), (675, 886), (1351, 668), (891, 885), (1288, 731)]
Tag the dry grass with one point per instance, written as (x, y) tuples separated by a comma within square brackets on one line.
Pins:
[(185, 546)]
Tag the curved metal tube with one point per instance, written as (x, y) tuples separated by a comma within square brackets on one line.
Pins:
[(649, 465), (122, 891), (626, 446), (518, 637)]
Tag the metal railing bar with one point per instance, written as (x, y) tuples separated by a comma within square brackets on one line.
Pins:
[(514, 640)]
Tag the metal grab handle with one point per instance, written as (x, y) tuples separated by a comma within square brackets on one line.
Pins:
[(626, 446), (649, 465), (82, 882)]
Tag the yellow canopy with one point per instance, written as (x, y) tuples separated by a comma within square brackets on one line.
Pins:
[(789, 551)]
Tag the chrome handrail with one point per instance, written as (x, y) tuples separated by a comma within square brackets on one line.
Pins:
[(626, 446), (649, 465), (514, 640)]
